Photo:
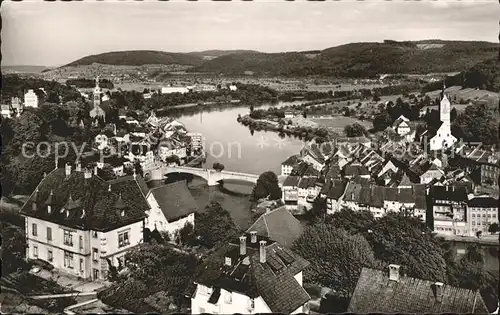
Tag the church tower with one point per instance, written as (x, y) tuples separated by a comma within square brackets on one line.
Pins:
[(444, 108), (97, 93)]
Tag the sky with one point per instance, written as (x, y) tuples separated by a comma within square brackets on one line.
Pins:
[(36, 32)]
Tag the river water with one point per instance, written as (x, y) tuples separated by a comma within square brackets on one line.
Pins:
[(232, 144)]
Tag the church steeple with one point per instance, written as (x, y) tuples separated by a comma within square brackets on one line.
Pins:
[(97, 93)]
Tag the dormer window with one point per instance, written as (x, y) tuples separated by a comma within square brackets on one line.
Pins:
[(228, 261)]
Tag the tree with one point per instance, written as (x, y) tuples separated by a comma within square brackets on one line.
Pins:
[(453, 114), (353, 221), (173, 159), (376, 98), (185, 235), (214, 226), (493, 228), (159, 265), (266, 186), (13, 248), (382, 121), (318, 210), (354, 130), (336, 257), (404, 240), (218, 166)]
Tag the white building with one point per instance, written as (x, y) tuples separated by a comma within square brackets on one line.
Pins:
[(80, 233), (196, 140), (482, 211), (443, 138), (233, 87), (449, 210), (288, 165), (102, 141), (258, 275), (172, 207), (174, 89), (30, 99)]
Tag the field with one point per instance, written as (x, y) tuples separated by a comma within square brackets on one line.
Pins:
[(338, 123)]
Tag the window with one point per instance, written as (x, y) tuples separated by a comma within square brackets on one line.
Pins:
[(489, 215), (80, 241), (473, 223), (81, 264), (68, 238), (35, 251), (33, 229), (50, 256), (123, 239), (229, 298), (49, 234), (484, 215), (94, 234), (68, 259), (473, 215), (96, 273), (95, 254)]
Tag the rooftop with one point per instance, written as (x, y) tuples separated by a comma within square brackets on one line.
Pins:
[(279, 225), (175, 200), (375, 293), (273, 280), (87, 203)]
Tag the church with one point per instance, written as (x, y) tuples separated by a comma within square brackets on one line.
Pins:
[(443, 138), (97, 112)]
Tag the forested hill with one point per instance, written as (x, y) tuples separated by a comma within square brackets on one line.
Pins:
[(360, 59), (350, 60), (484, 75), (139, 58)]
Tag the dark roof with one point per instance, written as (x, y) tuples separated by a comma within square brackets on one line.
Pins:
[(279, 225), (175, 200), (451, 193), (355, 168), (291, 181), (291, 161), (273, 280), (375, 293), (92, 204), (333, 189), (306, 182), (483, 202), (304, 169)]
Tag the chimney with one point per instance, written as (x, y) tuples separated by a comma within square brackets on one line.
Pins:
[(262, 252), (452, 188), (253, 236), (67, 213), (394, 272), (87, 174), (95, 170), (243, 245), (33, 206), (83, 213), (109, 187), (438, 286), (78, 166), (68, 169), (446, 187)]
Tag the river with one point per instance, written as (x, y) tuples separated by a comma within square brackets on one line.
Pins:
[(232, 144)]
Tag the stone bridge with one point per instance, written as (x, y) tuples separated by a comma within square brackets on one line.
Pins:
[(212, 176)]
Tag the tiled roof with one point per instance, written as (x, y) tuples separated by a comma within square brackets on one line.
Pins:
[(291, 181), (483, 202), (273, 280), (175, 200), (291, 161), (354, 169), (333, 189), (279, 225), (94, 201), (375, 293), (449, 193), (307, 182)]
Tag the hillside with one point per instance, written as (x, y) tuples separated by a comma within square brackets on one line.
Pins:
[(360, 59), (23, 69), (139, 58), (207, 54), (484, 75)]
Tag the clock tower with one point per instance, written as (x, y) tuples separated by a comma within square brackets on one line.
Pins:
[(444, 108), (97, 93)]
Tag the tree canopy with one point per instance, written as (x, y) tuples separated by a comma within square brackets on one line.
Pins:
[(336, 256), (267, 185), (214, 226)]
